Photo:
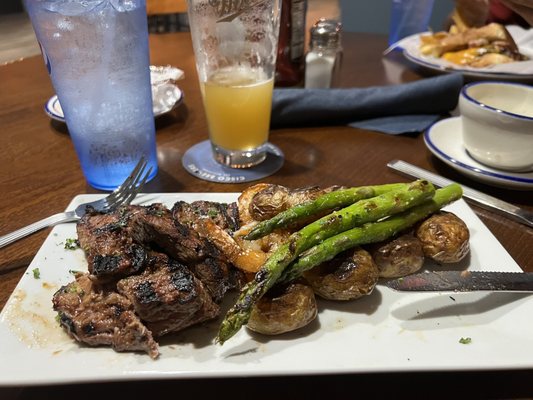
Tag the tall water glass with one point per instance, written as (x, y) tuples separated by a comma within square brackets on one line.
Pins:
[(96, 52), (235, 44)]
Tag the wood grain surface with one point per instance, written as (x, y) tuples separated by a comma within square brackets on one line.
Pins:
[(40, 174)]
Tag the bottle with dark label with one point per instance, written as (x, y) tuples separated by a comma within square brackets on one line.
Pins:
[(324, 56), (290, 64)]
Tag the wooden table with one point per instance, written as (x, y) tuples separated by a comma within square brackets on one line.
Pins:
[(40, 174)]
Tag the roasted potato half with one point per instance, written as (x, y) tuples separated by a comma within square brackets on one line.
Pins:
[(263, 201), (445, 237), (283, 309), (398, 257), (350, 275)]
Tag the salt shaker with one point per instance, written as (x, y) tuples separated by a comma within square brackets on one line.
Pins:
[(324, 53)]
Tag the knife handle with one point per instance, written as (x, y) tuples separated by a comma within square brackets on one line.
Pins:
[(481, 199)]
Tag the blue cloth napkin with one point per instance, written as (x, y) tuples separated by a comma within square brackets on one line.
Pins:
[(396, 109)]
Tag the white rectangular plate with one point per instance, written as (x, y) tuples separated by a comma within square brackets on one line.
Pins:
[(383, 332)]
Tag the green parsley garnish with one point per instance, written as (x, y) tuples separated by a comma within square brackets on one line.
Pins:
[(73, 288), (36, 273), (72, 244), (212, 213), (465, 340)]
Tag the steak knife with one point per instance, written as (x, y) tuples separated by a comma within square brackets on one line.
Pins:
[(480, 199), (463, 281)]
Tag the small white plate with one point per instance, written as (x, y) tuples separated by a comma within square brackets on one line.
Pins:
[(444, 140), (517, 71), (166, 97)]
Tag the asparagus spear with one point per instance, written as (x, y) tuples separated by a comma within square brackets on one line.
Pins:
[(361, 212), (370, 232), (328, 201)]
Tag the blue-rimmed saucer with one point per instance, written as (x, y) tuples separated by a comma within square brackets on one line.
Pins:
[(444, 140), (53, 109), (165, 97)]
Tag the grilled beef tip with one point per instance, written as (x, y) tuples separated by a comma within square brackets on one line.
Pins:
[(155, 225), (214, 271), (168, 297), (109, 246), (96, 315), (116, 244), (138, 292), (218, 277), (223, 239)]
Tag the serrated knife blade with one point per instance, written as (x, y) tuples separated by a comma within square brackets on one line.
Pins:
[(463, 281)]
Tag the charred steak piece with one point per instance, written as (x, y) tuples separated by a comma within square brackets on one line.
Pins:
[(176, 233), (109, 246), (213, 223), (116, 243), (168, 297), (154, 225), (218, 277), (96, 315)]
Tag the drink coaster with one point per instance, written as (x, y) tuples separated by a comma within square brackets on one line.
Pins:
[(199, 162)]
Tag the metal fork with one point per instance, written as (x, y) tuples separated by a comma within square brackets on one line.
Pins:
[(123, 195)]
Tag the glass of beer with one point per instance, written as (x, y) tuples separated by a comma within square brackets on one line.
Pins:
[(235, 44)]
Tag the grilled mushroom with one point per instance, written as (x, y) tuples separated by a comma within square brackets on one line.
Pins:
[(348, 276), (445, 237), (283, 309), (398, 257)]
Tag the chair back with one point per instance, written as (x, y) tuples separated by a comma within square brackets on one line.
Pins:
[(161, 7)]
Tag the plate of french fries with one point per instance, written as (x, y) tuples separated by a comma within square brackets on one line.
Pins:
[(492, 51)]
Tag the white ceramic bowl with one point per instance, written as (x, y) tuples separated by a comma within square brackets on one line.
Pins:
[(498, 124)]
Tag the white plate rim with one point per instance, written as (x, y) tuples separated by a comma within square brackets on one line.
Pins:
[(52, 106), (468, 165), (243, 356)]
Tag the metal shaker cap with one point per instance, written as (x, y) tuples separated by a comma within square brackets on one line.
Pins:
[(326, 33)]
